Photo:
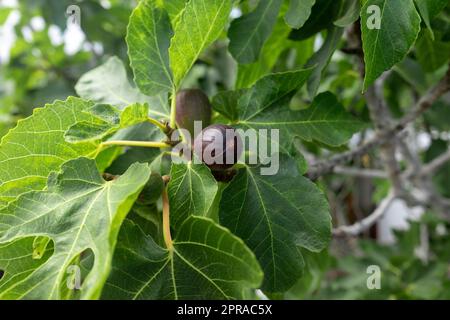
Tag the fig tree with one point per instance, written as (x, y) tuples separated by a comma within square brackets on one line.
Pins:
[(192, 105), (218, 146)]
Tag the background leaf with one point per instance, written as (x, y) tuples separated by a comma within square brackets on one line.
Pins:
[(349, 13), (266, 106), (429, 9), (200, 24), (248, 33), (321, 59), (248, 74), (431, 54), (4, 14), (323, 13), (298, 12)]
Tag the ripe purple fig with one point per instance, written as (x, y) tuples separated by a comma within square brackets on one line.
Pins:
[(192, 105), (218, 146)]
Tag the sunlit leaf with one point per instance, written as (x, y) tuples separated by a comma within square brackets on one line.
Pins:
[(201, 23), (78, 211), (388, 45), (148, 39)]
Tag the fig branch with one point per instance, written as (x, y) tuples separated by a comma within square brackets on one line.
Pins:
[(129, 143), (367, 222)]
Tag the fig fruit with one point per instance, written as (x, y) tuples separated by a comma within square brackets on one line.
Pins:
[(192, 105), (218, 147)]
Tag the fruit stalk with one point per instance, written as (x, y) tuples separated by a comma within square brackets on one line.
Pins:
[(128, 143), (173, 109), (166, 221), (157, 123)]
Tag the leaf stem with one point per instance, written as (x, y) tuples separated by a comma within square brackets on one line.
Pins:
[(173, 109), (166, 221), (157, 123), (146, 144)]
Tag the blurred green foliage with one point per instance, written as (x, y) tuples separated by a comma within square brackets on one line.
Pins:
[(40, 71), (412, 268)]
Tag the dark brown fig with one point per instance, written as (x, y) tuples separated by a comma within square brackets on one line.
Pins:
[(192, 105), (218, 146)]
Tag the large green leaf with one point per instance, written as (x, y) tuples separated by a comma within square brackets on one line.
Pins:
[(429, 9), (36, 147), (200, 24), (275, 214), (385, 47), (248, 33), (266, 106), (148, 38), (191, 189), (206, 262), (271, 91), (79, 211), (299, 12), (325, 121), (109, 84)]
